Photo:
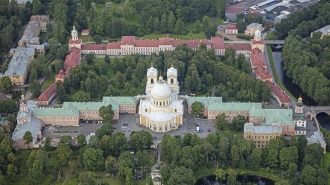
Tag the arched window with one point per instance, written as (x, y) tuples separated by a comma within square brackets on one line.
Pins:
[(152, 81), (160, 103), (172, 81)]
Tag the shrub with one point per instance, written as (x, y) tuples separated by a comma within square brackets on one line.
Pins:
[(195, 31), (245, 37)]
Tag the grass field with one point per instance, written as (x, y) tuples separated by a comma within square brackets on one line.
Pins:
[(50, 79), (277, 80), (85, 38), (270, 36)]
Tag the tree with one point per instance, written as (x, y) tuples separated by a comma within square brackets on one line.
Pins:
[(238, 123), (181, 176), (163, 23), (292, 170), (81, 96), (93, 159), (206, 23), (313, 154), (235, 155), (171, 22), (11, 172), (288, 155), (66, 140), (109, 162), (282, 182), (87, 178), (179, 25), (210, 31), (106, 129), (221, 121), (231, 179), (197, 108), (308, 175), (28, 137), (90, 58), (156, 24), (61, 96), (64, 153), (107, 59), (35, 88), (143, 158), (47, 144), (5, 84), (33, 75), (97, 39), (81, 140), (220, 174), (106, 113), (140, 139)]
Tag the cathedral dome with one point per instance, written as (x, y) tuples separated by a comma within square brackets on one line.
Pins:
[(161, 90)]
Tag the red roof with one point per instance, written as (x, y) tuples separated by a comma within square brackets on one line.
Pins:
[(165, 41), (257, 42), (147, 43), (218, 43), (257, 59), (127, 40), (113, 45), (262, 73), (72, 59), (231, 27), (234, 9), (278, 92), (94, 47), (240, 47), (85, 31), (79, 41), (44, 96)]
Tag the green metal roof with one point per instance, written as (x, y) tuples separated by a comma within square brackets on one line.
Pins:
[(55, 112), (73, 108), (234, 106), (204, 100), (282, 116)]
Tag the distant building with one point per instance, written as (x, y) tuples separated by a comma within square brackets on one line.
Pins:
[(324, 30), (300, 118), (252, 28), (17, 68), (232, 11), (46, 97), (231, 29), (85, 32), (317, 138), (155, 174), (27, 122), (261, 135), (22, 3)]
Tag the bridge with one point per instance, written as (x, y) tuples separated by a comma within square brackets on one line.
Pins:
[(319, 109), (270, 42)]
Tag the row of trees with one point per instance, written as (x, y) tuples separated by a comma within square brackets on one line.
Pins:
[(230, 150), (159, 16), (306, 61)]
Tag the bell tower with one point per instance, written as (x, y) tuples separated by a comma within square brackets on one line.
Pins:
[(172, 79), (22, 105), (299, 106), (74, 34), (152, 75), (257, 34)]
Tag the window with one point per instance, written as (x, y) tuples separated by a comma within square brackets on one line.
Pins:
[(146, 110), (172, 81), (175, 110), (154, 127)]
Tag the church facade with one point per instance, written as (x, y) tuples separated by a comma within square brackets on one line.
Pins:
[(161, 110)]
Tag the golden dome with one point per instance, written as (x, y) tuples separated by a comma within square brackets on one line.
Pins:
[(160, 78), (300, 98)]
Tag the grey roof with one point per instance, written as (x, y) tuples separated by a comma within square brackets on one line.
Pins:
[(19, 61), (30, 32), (325, 29), (37, 47), (317, 137), (33, 126), (277, 10), (263, 129), (22, 1), (255, 26)]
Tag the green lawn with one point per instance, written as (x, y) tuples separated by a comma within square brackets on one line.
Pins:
[(85, 38), (50, 79), (114, 6), (220, 20), (270, 36), (277, 80), (325, 163)]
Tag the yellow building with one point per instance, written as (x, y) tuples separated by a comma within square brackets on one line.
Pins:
[(261, 134), (17, 68), (161, 110)]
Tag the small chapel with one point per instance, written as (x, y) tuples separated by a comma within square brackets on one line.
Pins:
[(161, 110)]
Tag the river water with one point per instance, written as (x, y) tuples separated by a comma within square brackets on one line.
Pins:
[(287, 82)]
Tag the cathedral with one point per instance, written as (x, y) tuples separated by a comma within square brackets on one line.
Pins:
[(161, 110)]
